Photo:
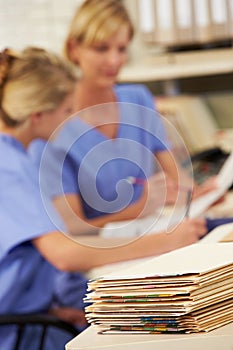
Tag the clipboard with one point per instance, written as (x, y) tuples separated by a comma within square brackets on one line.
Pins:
[(230, 17), (224, 180), (147, 21), (227, 238), (184, 16), (165, 17), (173, 23), (202, 21), (219, 19)]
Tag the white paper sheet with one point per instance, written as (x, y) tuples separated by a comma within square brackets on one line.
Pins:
[(191, 259), (224, 180), (137, 227)]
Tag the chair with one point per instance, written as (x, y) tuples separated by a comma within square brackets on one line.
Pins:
[(44, 320)]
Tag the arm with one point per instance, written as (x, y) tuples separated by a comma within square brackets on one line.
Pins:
[(70, 208), (179, 176), (207, 186), (168, 164), (67, 255), (174, 176), (156, 192)]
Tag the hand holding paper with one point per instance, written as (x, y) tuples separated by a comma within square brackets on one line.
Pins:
[(224, 180)]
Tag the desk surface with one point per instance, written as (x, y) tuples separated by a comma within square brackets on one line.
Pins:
[(214, 236), (179, 65), (221, 338)]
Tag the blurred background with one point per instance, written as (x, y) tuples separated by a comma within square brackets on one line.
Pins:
[(182, 51)]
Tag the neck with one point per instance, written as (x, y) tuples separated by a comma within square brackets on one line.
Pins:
[(20, 133), (88, 95)]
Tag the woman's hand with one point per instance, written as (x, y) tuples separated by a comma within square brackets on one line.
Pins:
[(207, 186), (70, 315), (189, 231), (159, 190)]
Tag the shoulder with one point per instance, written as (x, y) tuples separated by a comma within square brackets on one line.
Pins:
[(11, 158), (135, 93), (36, 150), (15, 166), (132, 89)]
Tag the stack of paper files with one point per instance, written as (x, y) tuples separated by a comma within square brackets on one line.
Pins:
[(187, 290)]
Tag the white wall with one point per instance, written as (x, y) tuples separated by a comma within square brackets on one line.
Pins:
[(35, 22), (45, 23)]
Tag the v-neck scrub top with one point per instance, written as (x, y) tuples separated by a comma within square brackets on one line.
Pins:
[(84, 161), (27, 280)]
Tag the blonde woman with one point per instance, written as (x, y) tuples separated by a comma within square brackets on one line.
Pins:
[(97, 44), (36, 96)]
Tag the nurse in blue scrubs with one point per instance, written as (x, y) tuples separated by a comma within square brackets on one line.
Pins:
[(27, 279), (125, 148), (97, 43), (36, 95)]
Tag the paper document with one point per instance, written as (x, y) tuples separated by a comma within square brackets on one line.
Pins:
[(224, 180), (178, 292), (134, 228), (180, 262)]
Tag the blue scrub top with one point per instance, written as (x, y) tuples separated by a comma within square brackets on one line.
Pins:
[(82, 160), (135, 93), (27, 280)]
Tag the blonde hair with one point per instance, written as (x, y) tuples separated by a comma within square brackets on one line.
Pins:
[(97, 20), (32, 81)]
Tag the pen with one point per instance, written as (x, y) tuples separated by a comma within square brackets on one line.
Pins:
[(135, 180), (188, 203)]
